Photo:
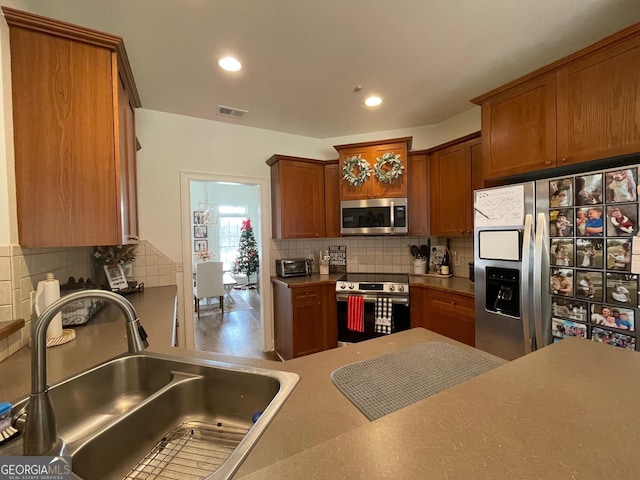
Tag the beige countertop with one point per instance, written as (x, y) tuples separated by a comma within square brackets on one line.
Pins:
[(460, 285), (566, 411), (102, 338), (456, 284)]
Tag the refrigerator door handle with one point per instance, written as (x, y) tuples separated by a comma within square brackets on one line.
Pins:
[(540, 259), (527, 324)]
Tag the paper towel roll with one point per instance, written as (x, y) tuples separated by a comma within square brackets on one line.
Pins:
[(48, 291)]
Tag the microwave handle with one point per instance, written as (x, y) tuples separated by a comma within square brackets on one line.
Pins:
[(393, 215)]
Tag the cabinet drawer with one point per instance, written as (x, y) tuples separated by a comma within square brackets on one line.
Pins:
[(443, 302), (305, 294)]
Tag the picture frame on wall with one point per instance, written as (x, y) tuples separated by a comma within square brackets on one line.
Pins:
[(197, 217), (200, 231), (200, 245), (116, 277)]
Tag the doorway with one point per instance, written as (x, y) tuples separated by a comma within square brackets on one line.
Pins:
[(214, 209)]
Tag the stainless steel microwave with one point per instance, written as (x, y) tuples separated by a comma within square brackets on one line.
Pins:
[(379, 216)]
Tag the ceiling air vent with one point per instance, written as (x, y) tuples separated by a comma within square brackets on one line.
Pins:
[(231, 112)]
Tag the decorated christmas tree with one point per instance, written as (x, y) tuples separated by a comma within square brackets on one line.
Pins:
[(247, 261)]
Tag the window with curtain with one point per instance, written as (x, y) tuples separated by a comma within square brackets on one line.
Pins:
[(230, 220)]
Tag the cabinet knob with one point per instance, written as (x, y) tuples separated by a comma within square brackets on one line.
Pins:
[(563, 159), (547, 162), (453, 302)]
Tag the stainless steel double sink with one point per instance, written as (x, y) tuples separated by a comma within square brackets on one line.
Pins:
[(140, 415)]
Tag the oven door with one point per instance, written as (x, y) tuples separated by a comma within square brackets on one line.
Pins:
[(400, 318)]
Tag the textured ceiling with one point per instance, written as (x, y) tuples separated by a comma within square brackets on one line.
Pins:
[(426, 58)]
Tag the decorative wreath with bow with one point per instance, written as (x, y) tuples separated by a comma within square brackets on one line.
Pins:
[(388, 175), (364, 170)]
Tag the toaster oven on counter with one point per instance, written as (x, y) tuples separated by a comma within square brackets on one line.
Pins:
[(294, 267)]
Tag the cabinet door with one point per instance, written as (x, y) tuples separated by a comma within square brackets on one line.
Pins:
[(330, 316), (348, 191), (519, 128), (66, 177), (398, 187), (419, 310), (599, 104), (301, 187), (128, 174), (418, 194), (449, 186), (452, 315), (308, 326), (331, 200)]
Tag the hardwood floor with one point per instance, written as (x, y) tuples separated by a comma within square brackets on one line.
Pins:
[(238, 332)]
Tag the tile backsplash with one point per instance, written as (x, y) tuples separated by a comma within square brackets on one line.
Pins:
[(21, 269), (375, 254)]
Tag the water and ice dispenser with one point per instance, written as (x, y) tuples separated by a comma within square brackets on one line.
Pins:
[(503, 291)]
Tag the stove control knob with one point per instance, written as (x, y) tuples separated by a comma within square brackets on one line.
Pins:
[(343, 286), (401, 288), (351, 286), (391, 288)]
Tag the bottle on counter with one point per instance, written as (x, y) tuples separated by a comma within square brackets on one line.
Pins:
[(445, 266)]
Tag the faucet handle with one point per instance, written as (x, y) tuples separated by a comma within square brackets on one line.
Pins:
[(143, 334)]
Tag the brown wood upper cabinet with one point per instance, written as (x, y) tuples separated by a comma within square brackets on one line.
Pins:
[(453, 175), (297, 197), (74, 134), (583, 107), (418, 194), (371, 151), (331, 199)]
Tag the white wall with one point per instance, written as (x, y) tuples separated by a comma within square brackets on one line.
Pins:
[(8, 222), (426, 136), (174, 143)]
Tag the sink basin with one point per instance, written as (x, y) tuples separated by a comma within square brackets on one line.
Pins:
[(140, 415)]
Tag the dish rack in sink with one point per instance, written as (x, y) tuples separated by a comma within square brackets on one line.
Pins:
[(192, 450)]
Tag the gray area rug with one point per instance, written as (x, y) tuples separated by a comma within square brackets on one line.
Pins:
[(381, 385)]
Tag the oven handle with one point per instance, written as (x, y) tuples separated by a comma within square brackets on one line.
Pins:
[(372, 299)]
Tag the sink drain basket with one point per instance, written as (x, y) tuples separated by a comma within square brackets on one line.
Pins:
[(192, 450)]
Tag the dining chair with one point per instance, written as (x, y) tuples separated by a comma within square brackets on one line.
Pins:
[(209, 283)]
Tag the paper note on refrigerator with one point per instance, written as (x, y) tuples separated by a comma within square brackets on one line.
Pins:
[(499, 206)]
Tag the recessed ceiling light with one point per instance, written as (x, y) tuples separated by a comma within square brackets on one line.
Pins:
[(229, 64), (373, 101)]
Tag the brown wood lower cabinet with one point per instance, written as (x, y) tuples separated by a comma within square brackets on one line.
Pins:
[(305, 319), (447, 313)]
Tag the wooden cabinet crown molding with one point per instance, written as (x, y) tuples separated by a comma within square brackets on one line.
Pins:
[(277, 157), (408, 141), (50, 26)]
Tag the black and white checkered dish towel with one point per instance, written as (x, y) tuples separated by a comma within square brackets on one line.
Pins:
[(383, 313)]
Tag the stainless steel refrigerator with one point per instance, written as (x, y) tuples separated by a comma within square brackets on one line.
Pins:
[(555, 258)]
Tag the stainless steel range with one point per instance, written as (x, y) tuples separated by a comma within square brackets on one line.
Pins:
[(384, 301)]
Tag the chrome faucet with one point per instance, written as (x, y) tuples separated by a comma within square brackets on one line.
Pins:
[(40, 436)]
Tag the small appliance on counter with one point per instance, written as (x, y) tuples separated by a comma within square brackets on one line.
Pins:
[(294, 267), (80, 312)]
